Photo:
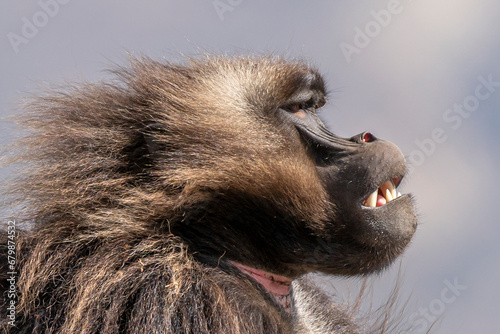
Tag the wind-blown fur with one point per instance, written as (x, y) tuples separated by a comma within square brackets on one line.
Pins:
[(125, 180)]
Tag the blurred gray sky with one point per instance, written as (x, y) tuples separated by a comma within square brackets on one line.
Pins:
[(424, 74)]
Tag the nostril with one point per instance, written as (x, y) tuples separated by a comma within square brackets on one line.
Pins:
[(367, 137)]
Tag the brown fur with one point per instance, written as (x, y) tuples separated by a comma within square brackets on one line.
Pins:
[(112, 244)]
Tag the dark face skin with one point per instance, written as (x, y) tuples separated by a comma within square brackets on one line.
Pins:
[(352, 169), (361, 234)]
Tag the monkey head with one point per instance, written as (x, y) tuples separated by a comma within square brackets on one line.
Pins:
[(253, 175)]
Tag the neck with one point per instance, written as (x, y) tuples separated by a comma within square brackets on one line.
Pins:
[(278, 286)]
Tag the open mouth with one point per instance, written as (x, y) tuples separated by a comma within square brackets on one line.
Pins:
[(383, 195)]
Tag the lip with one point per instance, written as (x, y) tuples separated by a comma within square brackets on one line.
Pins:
[(392, 223)]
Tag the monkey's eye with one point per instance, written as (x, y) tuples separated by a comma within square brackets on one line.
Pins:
[(296, 107), (301, 106)]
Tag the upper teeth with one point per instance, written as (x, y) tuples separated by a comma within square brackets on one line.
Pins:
[(388, 193)]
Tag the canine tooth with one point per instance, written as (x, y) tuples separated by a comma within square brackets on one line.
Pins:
[(393, 190), (372, 199), (386, 187), (388, 195), (399, 194)]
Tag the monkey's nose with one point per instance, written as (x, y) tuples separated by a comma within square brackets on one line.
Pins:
[(367, 137), (364, 137)]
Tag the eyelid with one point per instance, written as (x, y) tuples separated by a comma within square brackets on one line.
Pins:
[(305, 105)]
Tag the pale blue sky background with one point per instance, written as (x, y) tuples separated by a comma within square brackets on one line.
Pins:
[(424, 59)]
